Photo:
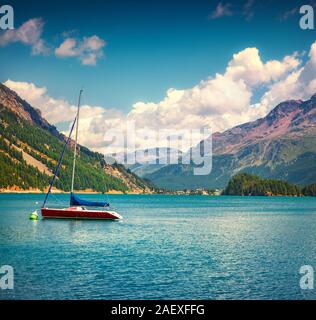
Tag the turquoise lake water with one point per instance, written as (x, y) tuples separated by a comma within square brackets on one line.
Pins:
[(166, 247)]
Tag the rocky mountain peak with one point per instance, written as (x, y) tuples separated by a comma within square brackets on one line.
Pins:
[(11, 101), (283, 110)]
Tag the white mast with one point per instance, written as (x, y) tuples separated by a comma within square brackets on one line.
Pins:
[(76, 140)]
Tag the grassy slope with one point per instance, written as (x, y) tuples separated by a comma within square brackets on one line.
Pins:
[(293, 161), (46, 148)]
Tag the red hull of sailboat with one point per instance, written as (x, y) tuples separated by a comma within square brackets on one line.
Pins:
[(78, 214)]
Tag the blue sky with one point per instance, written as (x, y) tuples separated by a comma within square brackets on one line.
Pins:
[(163, 64), (151, 45)]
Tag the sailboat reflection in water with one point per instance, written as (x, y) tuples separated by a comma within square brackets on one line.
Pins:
[(78, 207)]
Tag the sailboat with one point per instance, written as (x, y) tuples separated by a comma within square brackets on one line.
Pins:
[(79, 208)]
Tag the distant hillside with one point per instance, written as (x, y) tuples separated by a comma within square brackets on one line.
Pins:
[(158, 158), (278, 146), (30, 148)]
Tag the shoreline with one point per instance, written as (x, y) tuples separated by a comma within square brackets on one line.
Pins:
[(114, 192), (57, 191)]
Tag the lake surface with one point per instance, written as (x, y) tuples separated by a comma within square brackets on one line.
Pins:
[(166, 247)]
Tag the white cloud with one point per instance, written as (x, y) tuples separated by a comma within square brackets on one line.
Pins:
[(87, 50), (29, 33), (219, 102), (248, 66), (197, 107), (299, 84), (94, 120), (221, 10), (280, 91), (54, 110), (67, 48)]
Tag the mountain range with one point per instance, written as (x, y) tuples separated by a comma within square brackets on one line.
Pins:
[(281, 146), (147, 160), (30, 148)]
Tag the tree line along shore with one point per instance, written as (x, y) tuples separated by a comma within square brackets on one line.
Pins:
[(245, 184)]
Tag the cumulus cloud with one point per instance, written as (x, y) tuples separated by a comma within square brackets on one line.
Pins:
[(299, 84), (248, 66), (54, 110), (87, 50), (94, 120), (29, 33), (200, 106), (219, 102)]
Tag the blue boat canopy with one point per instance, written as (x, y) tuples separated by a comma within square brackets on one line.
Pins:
[(75, 201)]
